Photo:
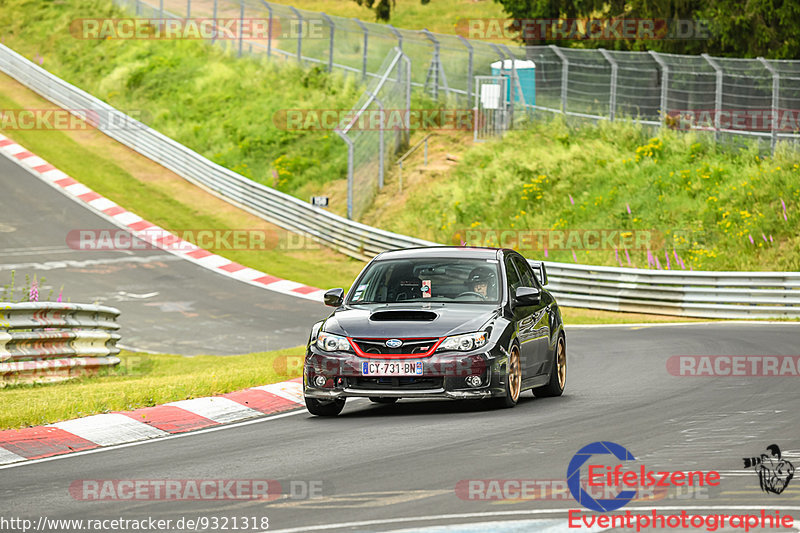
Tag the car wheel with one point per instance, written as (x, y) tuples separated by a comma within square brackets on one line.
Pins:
[(513, 380), (375, 399), (558, 374), (324, 407)]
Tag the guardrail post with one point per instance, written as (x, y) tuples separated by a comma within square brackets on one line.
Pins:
[(776, 85), (470, 67), (612, 99), (188, 9), (717, 95), (366, 47), (564, 76), (299, 33), (330, 45), (241, 25), (664, 85)]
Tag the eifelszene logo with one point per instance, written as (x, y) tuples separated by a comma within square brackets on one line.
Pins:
[(774, 473), (616, 477)]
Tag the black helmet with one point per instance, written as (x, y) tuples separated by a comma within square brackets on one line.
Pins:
[(482, 275)]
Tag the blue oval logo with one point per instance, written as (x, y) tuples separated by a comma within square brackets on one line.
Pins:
[(394, 343)]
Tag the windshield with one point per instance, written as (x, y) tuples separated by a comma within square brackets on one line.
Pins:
[(428, 280)]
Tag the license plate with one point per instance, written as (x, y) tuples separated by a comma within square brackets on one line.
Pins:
[(391, 368)]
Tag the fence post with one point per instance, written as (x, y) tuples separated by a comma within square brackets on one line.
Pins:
[(366, 47), (330, 44), (269, 28), (349, 142), (776, 85), (399, 36), (299, 33), (407, 61), (717, 95), (470, 68), (434, 64), (664, 84), (213, 21), (612, 99), (564, 76), (241, 25)]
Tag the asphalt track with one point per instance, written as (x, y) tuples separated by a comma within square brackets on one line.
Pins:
[(167, 304), (397, 467)]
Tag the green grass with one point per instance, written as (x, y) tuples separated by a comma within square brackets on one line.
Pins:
[(145, 380), (439, 16), (694, 198)]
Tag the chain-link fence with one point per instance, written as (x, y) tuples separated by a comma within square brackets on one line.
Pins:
[(376, 130), (731, 99)]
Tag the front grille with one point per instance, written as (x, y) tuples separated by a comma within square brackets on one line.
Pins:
[(411, 347), (402, 383)]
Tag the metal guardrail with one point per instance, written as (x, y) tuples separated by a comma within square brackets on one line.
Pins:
[(51, 341), (694, 294), (349, 237)]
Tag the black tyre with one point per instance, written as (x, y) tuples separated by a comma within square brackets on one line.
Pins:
[(375, 399), (513, 380), (558, 374), (324, 407)]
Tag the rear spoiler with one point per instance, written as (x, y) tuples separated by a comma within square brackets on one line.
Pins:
[(540, 271)]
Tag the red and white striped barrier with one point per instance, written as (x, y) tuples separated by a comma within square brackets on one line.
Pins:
[(137, 226), (110, 429)]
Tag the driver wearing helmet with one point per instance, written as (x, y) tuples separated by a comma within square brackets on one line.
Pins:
[(482, 280)]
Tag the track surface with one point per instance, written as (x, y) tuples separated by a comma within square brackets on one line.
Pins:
[(168, 304), (395, 462)]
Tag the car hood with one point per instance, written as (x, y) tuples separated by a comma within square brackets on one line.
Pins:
[(407, 321)]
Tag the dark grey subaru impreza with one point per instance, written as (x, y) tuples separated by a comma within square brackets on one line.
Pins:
[(438, 322)]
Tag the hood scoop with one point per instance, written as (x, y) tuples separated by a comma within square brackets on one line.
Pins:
[(400, 315)]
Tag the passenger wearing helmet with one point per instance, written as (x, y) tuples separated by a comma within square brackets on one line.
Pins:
[(483, 281)]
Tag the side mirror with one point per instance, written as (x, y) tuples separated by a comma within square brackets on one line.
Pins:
[(527, 296), (539, 271), (334, 297)]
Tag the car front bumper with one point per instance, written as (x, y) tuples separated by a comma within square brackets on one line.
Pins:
[(443, 377)]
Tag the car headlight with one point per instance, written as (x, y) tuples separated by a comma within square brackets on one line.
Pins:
[(332, 343), (463, 343)]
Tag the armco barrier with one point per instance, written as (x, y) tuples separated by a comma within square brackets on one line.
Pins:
[(691, 294), (48, 341)]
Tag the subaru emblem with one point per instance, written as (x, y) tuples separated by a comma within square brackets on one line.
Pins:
[(394, 343)]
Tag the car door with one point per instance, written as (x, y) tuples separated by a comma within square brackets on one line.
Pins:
[(536, 321), (523, 320)]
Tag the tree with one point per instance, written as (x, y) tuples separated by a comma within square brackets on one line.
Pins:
[(724, 27), (383, 8)]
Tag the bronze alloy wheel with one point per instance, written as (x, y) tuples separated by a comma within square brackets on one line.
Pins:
[(514, 374), (561, 361)]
